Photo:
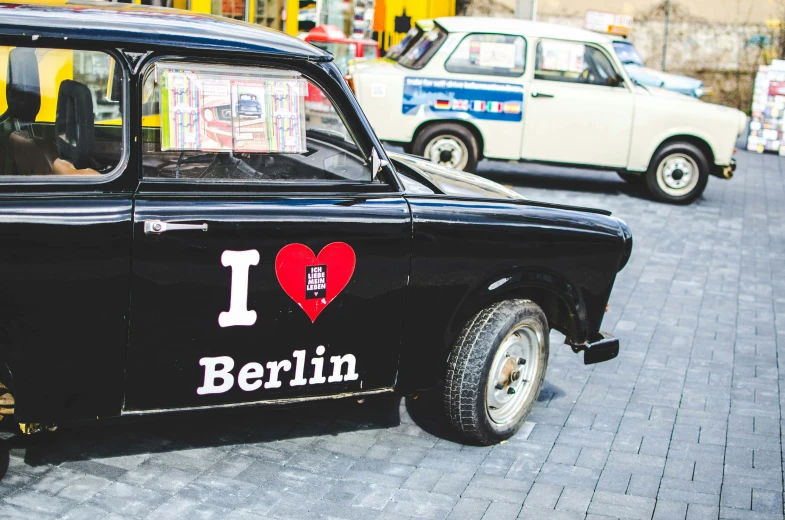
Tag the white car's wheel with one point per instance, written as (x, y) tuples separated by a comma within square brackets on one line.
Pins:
[(496, 370), (678, 173), (448, 144)]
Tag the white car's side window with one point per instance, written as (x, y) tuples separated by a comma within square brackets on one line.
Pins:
[(574, 62), (491, 54)]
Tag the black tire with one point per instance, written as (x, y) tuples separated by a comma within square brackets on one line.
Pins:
[(693, 157), (449, 132), (631, 178), (473, 358)]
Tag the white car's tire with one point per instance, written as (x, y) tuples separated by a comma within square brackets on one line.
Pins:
[(448, 144), (678, 174)]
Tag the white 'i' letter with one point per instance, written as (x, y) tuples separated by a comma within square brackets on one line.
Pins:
[(318, 366), (299, 367), (240, 262)]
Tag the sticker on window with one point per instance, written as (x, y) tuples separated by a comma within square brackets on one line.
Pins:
[(492, 54), (223, 109), (562, 56)]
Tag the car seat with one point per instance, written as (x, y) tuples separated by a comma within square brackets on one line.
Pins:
[(74, 130), (31, 155)]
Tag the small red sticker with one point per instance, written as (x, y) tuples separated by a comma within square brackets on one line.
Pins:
[(314, 281)]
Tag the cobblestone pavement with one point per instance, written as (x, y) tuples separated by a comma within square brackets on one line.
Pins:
[(685, 423)]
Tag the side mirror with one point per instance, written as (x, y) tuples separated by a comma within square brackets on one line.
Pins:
[(376, 163)]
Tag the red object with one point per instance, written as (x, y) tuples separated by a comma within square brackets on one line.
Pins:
[(332, 34), (777, 88), (301, 274)]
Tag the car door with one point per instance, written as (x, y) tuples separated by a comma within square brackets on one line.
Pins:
[(264, 270), (578, 109)]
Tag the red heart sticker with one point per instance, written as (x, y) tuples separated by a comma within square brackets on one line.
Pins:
[(314, 281)]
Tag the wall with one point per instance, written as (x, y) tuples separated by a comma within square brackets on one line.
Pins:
[(712, 11)]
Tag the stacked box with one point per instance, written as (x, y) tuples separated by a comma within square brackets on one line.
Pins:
[(768, 110)]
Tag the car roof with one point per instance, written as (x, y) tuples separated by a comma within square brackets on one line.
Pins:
[(146, 27), (465, 24)]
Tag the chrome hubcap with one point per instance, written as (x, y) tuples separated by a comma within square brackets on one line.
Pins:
[(511, 379), (677, 174), (447, 151)]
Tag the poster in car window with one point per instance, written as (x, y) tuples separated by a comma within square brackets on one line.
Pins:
[(249, 121), (460, 99), (287, 125), (216, 113), (181, 102), (208, 110), (561, 56)]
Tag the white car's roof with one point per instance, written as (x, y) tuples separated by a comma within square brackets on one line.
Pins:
[(461, 24)]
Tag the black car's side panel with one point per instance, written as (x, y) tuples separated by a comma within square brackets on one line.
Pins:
[(466, 254), (64, 307)]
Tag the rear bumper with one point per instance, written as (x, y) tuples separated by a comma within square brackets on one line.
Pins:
[(604, 348), (725, 172)]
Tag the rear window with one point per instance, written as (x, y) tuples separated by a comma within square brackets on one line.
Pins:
[(63, 116), (422, 51)]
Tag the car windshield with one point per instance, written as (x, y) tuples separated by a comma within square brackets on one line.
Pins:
[(420, 53), (627, 54), (397, 50)]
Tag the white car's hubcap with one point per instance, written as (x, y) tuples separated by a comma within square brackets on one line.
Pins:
[(447, 151), (677, 174)]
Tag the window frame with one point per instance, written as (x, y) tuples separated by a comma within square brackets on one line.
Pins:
[(622, 84), (469, 35), (125, 115), (386, 180)]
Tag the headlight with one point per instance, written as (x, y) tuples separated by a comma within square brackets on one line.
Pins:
[(699, 91)]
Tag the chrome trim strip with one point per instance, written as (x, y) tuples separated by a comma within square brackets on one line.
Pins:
[(260, 403)]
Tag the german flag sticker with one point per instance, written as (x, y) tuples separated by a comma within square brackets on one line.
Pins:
[(442, 104)]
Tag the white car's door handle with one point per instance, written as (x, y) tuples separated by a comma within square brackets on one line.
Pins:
[(157, 226), (541, 95)]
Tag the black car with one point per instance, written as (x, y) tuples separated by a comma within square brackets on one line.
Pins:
[(149, 267)]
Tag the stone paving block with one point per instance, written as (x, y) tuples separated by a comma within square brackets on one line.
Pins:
[(502, 511), (469, 509), (667, 510)]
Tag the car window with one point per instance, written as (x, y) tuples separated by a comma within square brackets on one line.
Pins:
[(493, 54), (627, 54), (422, 51), (397, 50), (60, 120), (214, 123), (574, 62)]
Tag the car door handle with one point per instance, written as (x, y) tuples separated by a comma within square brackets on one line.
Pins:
[(540, 94), (156, 227)]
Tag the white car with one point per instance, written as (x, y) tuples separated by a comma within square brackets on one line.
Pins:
[(510, 89)]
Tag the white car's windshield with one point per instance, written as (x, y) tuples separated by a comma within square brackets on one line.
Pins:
[(627, 54), (417, 57), (397, 50)]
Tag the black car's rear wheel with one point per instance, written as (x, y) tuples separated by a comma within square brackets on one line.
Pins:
[(496, 370)]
